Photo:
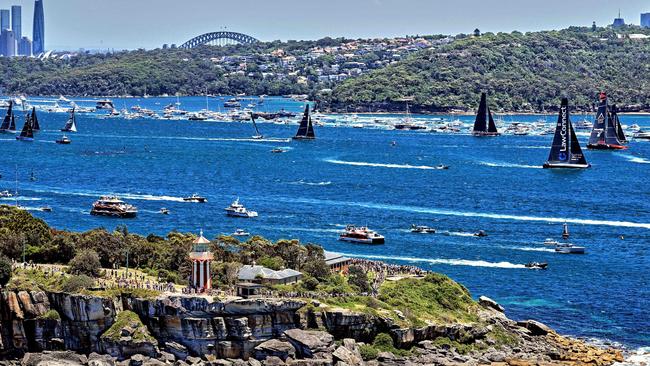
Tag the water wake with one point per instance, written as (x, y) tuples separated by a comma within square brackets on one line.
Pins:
[(132, 196), (450, 262), (379, 165), (635, 159), (327, 183), (509, 165)]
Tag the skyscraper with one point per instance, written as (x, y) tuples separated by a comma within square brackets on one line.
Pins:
[(24, 47), (17, 21), (7, 43), (4, 19), (39, 28), (645, 20)]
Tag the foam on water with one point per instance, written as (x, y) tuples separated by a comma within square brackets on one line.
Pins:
[(132, 196), (327, 183), (450, 262), (635, 159), (379, 165), (509, 165)]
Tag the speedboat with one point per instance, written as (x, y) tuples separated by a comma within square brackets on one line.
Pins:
[(569, 249), (64, 140), (442, 167), (551, 242), (537, 265), (643, 135), (236, 209), (46, 209), (240, 232), (480, 234), (422, 229), (361, 235), (113, 206), (6, 194), (164, 211), (278, 151), (195, 198)]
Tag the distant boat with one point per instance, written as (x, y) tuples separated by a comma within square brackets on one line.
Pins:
[(35, 125), (306, 129), (361, 235), (420, 229), (64, 140), (536, 265), (604, 134), (9, 122), (195, 198), (236, 209), (71, 124), (565, 231), (484, 124), (27, 133), (240, 232), (257, 135), (569, 249), (565, 150), (164, 211)]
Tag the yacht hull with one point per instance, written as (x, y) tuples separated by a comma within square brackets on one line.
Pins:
[(363, 241)]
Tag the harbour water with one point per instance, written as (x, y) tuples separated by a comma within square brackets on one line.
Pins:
[(357, 176)]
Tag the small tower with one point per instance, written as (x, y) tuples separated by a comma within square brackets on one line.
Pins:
[(201, 256)]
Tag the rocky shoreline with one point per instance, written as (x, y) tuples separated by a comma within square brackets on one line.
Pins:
[(39, 328)]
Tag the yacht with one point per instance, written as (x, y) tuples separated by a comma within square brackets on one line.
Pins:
[(236, 209), (537, 265), (113, 206), (64, 140), (232, 103), (104, 104), (480, 234), (6, 194), (164, 211), (195, 198), (569, 249), (240, 232), (422, 229), (361, 235)]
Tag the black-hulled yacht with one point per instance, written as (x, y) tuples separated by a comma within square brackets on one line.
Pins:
[(484, 124), (35, 125), (27, 133), (9, 122), (71, 123), (565, 151), (604, 134), (306, 129)]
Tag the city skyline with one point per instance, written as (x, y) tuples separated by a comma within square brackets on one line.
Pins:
[(112, 25)]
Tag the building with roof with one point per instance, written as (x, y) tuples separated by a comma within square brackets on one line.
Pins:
[(201, 256), (337, 262), (260, 274)]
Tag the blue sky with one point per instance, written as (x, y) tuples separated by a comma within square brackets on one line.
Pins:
[(129, 24)]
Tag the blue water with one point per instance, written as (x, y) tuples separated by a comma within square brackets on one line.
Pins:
[(317, 187)]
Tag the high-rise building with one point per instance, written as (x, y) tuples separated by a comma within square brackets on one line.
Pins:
[(25, 47), (38, 45), (7, 43), (618, 22), (4, 19), (17, 21), (645, 20)]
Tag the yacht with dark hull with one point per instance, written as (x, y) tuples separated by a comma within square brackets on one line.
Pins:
[(306, 129), (71, 123), (565, 150), (114, 207), (604, 134), (27, 133), (9, 122), (484, 124)]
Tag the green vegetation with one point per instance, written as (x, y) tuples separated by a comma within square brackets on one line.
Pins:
[(368, 352), (5, 271), (34, 280), (520, 71), (86, 263), (128, 320), (77, 283), (358, 278), (51, 315), (382, 343)]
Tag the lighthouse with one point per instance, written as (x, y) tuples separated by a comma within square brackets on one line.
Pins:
[(201, 256)]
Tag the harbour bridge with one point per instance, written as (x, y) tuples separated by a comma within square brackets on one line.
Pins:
[(221, 38)]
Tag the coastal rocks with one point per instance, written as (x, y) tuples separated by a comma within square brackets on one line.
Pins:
[(349, 357), (407, 337), (309, 342), (274, 347), (536, 328), (486, 302), (346, 324), (66, 358)]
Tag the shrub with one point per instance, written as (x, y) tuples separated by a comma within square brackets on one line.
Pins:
[(5, 271), (368, 352), (86, 262), (51, 314), (358, 278), (274, 263), (383, 342), (131, 320), (310, 283), (75, 284)]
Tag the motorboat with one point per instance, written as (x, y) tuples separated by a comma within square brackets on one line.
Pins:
[(240, 232), (566, 248), (195, 198), (64, 140), (551, 242), (236, 209), (46, 209), (480, 234), (442, 167), (278, 150), (164, 211), (642, 135), (422, 229), (5, 194), (113, 206), (361, 235), (537, 265), (104, 104)]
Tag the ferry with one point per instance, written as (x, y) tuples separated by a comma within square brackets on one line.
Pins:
[(113, 206), (569, 249), (361, 235), (422, 229), (195, 198), (236, 209)]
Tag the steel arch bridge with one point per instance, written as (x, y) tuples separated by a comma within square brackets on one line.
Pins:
[(221, 38)]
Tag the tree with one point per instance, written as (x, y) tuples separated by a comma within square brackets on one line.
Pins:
[(477, 32), (73, 284), (359, 278), (315, 265), (86, 262), (5, 271)]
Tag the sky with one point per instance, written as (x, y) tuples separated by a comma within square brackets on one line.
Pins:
[(131, 24)]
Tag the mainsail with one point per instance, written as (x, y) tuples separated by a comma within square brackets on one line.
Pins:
[(71, 124), (603, 133), (617, 124), (565, 151), (306, 129), (9, 117), (258, 135), (484, 124), (27, 132), (35, 125)]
